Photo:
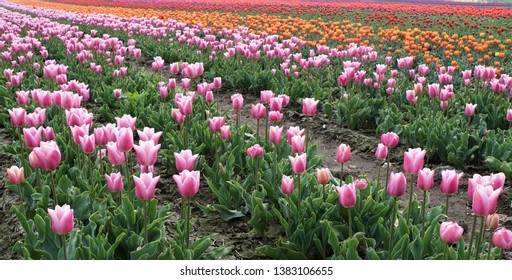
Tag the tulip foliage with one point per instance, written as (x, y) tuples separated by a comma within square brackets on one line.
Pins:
[(123, 132)]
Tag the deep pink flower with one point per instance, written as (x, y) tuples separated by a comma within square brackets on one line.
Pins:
[(450, 232), (187, 182), (185, 160), (347, 195), (62, 219), (145, 186)]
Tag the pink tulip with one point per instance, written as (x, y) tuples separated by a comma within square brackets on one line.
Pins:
[(124, 139), (100, 136), (18, 116), (450, 181), (126, 121), (88, 144), (185, 160), (149, 134), (185, 83), (216, 123), (343, 153), (22, 97), (502, 238), (225, 132), (50, 71), (172, 83), (390, 139), (47, 155), (265, 96), (62, 219), (158, 63), (413, 160), (115, 157), (298, 144), (298, 163), (185, 105), (287, 185), (238, 101), (32, 137), (276, 134), (145, 185), (323, 175), (174, 68), (117, 93), (285, 99), (485, 199), (492, 222), (497, 180), (309, 106), (16, 175), (114, 182), (147, 152), (217, 82), (381, 152), (477, 180), (275, 116), (209, 97), (258, 111), (347, 195), (425, 179), (255, 151), (276, 104), (48, 133), (470, 109), (450, 232), (187, 182), (509, 115), (397, 184)]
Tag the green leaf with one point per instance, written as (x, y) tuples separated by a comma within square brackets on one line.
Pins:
[(279, 253), (416, 247)]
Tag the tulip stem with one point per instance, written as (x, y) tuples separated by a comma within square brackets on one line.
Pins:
[(490, 246), (501, 254), (350, 222), (479, 239), (187, 226), (275, 163), (258, 131), (387, 172), (22, 159), (266, 130), (237, 120), (38, 176), (146, 221), (445, 251), (341, 176), (64, 246), (128, 176), (256, 173), (446, 208), (471, 237), (378, 176), (392, 230), (423, 206), (298, 187), (55, 202), (307, 138), (186, 132), (409, 209), (323, 192)]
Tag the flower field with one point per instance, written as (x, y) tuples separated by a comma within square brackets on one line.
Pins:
[(255, 130)]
